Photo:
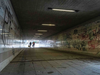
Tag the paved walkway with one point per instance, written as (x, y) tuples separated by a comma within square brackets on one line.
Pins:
[(48, 62)]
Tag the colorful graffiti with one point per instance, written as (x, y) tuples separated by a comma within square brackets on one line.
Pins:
[(82, 38)]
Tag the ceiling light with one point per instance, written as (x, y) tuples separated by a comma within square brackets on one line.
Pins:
[(64, 10), (38, 34), (0, 29), (42, 30), (48, 24)]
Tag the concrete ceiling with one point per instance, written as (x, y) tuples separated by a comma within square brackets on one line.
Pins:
[(31, 14)]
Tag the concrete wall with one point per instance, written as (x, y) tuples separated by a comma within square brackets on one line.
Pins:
[(10, 34), (82, 38)]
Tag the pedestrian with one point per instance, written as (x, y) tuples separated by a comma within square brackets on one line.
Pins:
[(33, 44), (30, 44)]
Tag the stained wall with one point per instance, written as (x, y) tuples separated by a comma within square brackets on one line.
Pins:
[(81, 38), (10, 34)]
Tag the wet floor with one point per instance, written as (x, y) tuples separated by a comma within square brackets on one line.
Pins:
[(48, 62)]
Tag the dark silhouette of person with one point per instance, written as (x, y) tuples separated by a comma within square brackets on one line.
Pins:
[(30, 44)]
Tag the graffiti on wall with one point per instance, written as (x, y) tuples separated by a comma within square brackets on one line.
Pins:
[(83, 38), (8, 36)]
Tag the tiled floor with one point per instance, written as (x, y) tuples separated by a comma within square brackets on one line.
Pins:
[(47, 62)]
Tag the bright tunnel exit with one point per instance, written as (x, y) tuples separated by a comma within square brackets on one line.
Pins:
[(38, 43)]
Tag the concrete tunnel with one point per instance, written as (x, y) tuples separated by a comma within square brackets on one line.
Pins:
[(66, 34)]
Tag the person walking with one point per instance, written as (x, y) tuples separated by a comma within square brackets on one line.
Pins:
[(33, 44), (30, 44)]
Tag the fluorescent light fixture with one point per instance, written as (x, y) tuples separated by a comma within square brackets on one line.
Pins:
[(64, 10), (42, 30), (38, 34), (48, 24)]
